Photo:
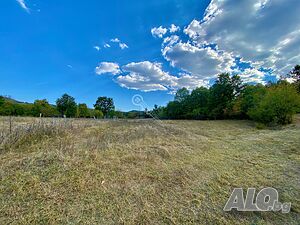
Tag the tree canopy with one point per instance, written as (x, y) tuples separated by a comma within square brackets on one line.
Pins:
[(295, 75), (66, 105), (229, 98), (105, 105)]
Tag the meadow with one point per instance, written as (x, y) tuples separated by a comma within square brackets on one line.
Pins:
[(85, 171)]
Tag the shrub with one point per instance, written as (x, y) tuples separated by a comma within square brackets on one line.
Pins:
[(250, 98), (277, 107)]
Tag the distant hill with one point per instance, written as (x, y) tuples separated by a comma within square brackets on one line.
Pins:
[(133, 113), (9, 99)]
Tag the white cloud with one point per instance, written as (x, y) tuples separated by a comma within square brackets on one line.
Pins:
[(115, 40), (107, 67), (159, 31), (290, 79), (145, 76), (23, 5), (194, 29), (97, 48), (263, 35), (106, 45), (201, 62), (252, 75), (148, 76), (264, 32), (171, 40), (174, 28), (190, 82), (123, 46)]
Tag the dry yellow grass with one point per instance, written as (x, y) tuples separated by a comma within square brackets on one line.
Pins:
[(144, 172)]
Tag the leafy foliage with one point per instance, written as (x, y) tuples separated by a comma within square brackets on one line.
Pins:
[(295, 75), (181, 95), (275, 103), (66, 105), (222, 94), (83, 111), (105, 105), (277, 106), (97, 114), (43, 108), (250, 98)]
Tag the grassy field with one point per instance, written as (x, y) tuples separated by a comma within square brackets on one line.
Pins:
[(143, 171)]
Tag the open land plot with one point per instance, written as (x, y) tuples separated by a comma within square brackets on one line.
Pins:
[(143, 171)]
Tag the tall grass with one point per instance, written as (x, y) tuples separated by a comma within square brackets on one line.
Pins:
[(18, 135), (57, 171)]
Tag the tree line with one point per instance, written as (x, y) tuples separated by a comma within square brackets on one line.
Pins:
[(229, 98), (66, 106)]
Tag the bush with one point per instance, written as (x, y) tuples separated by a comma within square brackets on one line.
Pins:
[(250, 98), (97, 114), (277, 107)]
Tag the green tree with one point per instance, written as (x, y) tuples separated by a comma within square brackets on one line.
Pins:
[(181, 95), (19, 109), (42, 107), (2, 100), (7, 109), (119, 114), (278, 106), (66, 105), (222, 94), (133, 115), (105, 105), (97, 114), (175, 110), (159, 112), (83, 111), (295, 74), (197, 103), (27, 109), (250, 98)]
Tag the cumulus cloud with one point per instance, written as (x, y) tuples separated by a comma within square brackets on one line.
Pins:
[(159, 31), (171, 40), (173, 28), (263, 32), (252, 75), (254, 39), (106, 45), (145, 76), (148, 76), (194, 30), (190, 82), (201, 62), (23, 5), (107, 67)]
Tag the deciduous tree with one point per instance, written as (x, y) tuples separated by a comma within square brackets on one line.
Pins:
[(105, 105), (66, 105)]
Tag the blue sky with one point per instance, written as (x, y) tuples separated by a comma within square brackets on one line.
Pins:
[(121, 48)]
